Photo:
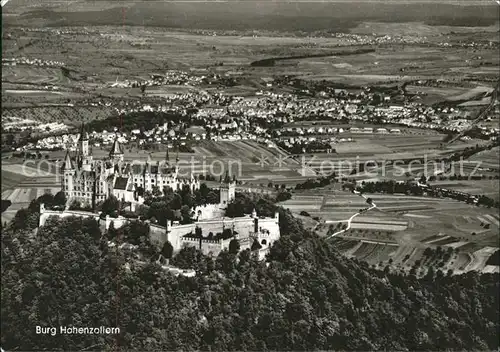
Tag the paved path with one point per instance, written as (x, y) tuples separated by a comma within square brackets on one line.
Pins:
[(352, 217)]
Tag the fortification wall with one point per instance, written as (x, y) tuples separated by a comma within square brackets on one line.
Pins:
[(117, 222), (268, 230), (208, 247), (176, 233), (208, 211), (45, 214)]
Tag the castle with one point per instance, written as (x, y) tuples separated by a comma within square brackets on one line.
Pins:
[(91, 181)]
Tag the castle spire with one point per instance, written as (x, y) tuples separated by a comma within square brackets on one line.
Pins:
[(84, 136), (116, 150), (68, 164)]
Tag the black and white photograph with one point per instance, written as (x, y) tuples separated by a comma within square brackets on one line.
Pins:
[(250, 175)]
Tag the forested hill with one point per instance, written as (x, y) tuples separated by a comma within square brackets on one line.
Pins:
[(306, 297)]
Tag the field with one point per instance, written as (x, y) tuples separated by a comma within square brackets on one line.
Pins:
[(399, 229), (388, 151), (141, 48), (23, 183)]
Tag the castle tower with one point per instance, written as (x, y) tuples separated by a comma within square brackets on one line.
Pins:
[(84, 156), (68, 176), (227, 190), (116, 154), (83, 142)]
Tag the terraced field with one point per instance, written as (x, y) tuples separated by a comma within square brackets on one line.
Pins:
[(401, 227), (34, 74), (62, 113)]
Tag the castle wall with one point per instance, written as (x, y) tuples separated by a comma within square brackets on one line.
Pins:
[(267, 231), (45, 214), (117, 222), (208, 211), (176, 233), (208, 247)]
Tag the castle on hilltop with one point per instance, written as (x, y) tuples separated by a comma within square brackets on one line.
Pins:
[(90, 181)]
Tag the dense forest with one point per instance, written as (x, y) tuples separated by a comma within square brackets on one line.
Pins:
[(305, 296)]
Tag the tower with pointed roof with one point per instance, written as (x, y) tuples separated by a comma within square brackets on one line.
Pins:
[(116, 154), (84, 157), (68, 171), (227, 190), (83, 142)]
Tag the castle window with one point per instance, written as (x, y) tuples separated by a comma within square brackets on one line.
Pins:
[(264, 242)]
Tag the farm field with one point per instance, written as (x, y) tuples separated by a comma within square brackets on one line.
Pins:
[(488, 158), (403, 258), (402, 226), (488, 188), (389, 152), (23, 183)]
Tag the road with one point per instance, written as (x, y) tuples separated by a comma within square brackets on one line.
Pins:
[(482, 114), (352, 217)]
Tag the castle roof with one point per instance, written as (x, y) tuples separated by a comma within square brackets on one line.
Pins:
[(116, 149), (87, 174), (68, 164), (138, 169), (84, 136), (121, 183)]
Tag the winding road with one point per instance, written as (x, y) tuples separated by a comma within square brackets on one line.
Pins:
[(373, 205)]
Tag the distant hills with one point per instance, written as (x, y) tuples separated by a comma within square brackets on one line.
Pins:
[(249, 14)]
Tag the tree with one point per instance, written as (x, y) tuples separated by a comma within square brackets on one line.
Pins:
[(212, 197), (186, 214), (167, 250), (75, 205), (156, 191), (234, 246), (110, 205), (60, 198), (256, 246), (198, 231), (283, 195)]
